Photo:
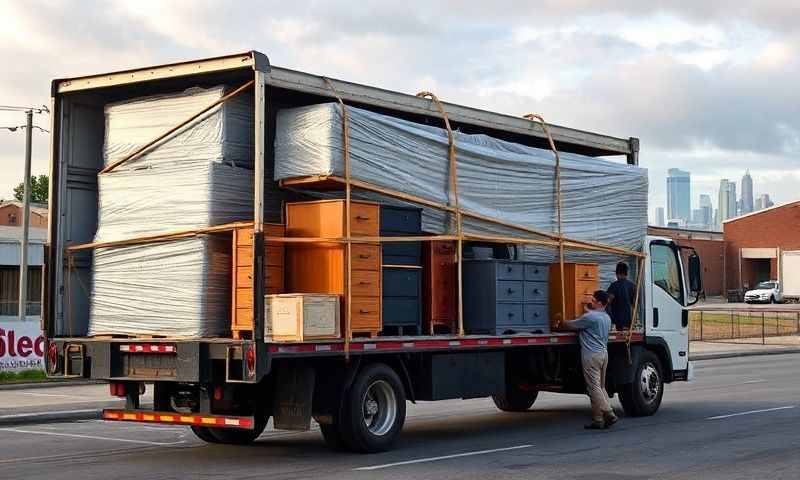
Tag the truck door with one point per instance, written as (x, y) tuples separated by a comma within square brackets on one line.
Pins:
[(668, 318)]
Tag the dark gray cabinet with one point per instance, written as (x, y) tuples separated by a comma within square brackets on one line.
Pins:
[(505, 297), (402, 271)]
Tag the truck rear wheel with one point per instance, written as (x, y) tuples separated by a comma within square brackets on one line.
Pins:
[(373, 410), (643, 397), (231, 436), (515, 399)]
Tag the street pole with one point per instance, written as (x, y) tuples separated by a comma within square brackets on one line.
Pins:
[(26, 207)]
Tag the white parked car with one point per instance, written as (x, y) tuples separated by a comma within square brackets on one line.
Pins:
[(768, 292)]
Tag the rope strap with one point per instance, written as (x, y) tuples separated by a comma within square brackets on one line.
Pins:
[(451, 154)]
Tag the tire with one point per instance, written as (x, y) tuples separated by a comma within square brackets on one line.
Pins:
[(515, 399), (235, 436), (204, 434), (642, 398), (373, 410)]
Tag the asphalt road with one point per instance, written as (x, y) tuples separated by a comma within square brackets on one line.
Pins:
[(738, 420)]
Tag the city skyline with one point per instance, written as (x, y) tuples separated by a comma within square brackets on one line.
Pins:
[(731, 199)]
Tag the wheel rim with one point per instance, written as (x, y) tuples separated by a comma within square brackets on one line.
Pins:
[(650, 383), (379, 407)]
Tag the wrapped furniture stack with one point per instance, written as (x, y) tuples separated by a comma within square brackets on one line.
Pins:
[(201, 176)]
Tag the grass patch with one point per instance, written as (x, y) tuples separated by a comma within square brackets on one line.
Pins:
[(23, 376)]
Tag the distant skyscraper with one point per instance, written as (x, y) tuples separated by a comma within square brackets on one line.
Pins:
[(706, 211), (747, 194), (660, 216), (679, 194), (763, 202), (727, 200)]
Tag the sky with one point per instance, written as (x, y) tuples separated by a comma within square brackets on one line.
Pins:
[(708, 86)]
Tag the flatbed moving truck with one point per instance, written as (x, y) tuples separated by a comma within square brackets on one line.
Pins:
[(226, 389)]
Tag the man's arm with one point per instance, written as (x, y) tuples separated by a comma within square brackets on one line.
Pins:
[(579, 323)]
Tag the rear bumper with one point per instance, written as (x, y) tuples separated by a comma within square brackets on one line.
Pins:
[(157, 360), (172, 418)]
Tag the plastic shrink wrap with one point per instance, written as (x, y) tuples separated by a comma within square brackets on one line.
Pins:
[(602, 201)]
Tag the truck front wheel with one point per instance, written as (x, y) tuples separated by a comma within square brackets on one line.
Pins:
[(643, 397), (373, 410), (515, 399)]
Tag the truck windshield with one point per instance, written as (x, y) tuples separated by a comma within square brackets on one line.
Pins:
[(765, 286)]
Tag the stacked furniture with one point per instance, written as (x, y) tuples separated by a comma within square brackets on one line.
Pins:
[(504, 297), (439, 287), (320, 267), (580, 283), (401, 270), (242, 294)]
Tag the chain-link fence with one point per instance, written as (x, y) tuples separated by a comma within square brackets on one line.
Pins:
[(761, 326)]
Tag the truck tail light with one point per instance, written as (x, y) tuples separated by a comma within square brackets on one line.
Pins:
[(52, 359), (117, 389), (217, 393), (250, 361)]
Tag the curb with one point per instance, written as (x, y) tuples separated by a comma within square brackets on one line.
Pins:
[(50, 417), (713, 356), (49, 384)]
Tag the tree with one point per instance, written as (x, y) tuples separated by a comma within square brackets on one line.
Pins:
[(39, 189)]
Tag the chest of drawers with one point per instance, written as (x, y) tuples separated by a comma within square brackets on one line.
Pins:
[(580, 282), (505, 297), (401, 270), (242, 291), (320, 267)]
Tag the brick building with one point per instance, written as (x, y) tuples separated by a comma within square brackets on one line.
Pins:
[(11, 214), (755, 244), (710, 246)]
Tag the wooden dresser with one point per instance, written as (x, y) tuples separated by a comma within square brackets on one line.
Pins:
[(439, 287), (242, 293), (320, 267), (580, 282)]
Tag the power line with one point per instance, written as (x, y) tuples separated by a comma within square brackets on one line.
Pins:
[(13, 108), (18, 127)]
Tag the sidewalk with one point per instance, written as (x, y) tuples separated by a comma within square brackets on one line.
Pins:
[(58, 402), (699, 351)]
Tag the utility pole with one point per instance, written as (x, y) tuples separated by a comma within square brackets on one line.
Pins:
[(26, 207)]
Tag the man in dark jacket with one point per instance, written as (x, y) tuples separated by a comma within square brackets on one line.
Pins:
[(621, 296)]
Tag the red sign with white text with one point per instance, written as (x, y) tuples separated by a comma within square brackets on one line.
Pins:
[(21, 346)]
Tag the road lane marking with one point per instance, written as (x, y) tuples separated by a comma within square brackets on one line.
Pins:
[(56, 412), (443, 457), (90, 437), (36, 394), (719, 417)]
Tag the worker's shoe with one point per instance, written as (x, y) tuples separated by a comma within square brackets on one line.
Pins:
[(610, 420), (595, 426)]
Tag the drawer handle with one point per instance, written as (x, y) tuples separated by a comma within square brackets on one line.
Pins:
[(364, 283), (361, 218), (535, 290), (510, 314), (364, 256), (362, 311), (509, 268), (536, 314), (510, 291)]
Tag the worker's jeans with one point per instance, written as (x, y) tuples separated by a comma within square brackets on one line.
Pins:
[(594, 372)]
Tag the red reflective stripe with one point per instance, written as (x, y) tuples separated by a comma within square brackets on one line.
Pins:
[(177, 419), (147, 348), (433, 343)]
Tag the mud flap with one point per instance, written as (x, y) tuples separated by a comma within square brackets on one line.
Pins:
[(293, 393)]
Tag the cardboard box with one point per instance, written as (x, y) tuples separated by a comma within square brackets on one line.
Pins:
[(297, 317)]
